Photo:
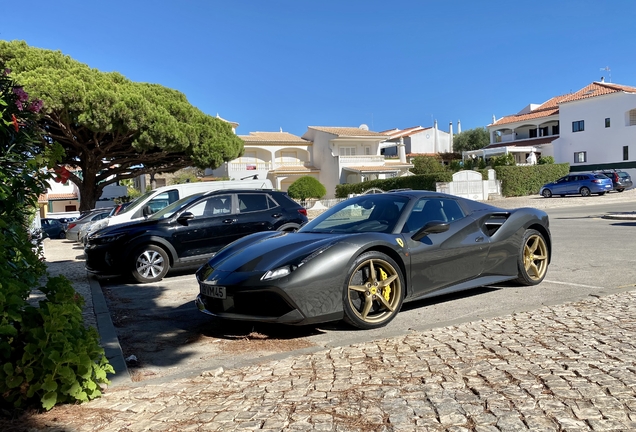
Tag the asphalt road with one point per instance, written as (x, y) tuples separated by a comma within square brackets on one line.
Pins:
[(159, 324)]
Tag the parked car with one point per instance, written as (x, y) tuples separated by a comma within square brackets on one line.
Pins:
[(583, 184), (620, 179), (72, 231), (361, 259), (53, 228), (188, 232), (154, 200)]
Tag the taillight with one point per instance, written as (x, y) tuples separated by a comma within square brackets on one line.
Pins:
[(616, 177), (71, 225), (597, 181), (302, 211)]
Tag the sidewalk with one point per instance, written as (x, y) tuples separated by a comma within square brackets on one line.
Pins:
[(566, 367)]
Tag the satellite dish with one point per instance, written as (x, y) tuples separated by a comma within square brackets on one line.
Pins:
[(363, 127)]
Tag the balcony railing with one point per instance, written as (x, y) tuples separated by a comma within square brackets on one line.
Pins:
[(265, 166), (362, 160)]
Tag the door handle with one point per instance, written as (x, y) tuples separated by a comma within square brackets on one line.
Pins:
[(277, 215), (479, 239), (229, 221)]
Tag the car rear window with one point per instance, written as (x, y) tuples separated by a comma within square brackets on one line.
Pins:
[(623, 174), (600, 176)]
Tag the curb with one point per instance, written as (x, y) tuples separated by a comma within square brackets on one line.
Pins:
[(108, 336), (621, 216)]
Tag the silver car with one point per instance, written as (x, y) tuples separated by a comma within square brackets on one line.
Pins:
[(72, 231)]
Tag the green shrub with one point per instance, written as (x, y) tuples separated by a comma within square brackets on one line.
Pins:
[(528, 179), (47, 355), (416, 182), (545, 160), (306, 187), (426, 165)]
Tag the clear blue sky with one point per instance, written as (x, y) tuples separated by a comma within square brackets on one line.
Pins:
[(271, 64)]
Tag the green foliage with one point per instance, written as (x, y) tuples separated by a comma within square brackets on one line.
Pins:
[(112, 128), (416, 182), (503, 160), (306, 187), (186, 175), (472, 139), (545, 160), (426, 165), (47, 356), (527, 180)]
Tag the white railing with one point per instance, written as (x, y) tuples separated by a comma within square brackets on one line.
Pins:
[(374, 159)]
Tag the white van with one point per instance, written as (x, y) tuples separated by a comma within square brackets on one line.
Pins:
[(154, 200)]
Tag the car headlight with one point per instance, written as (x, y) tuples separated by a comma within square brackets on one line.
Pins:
[(277, 273), (107, 238)]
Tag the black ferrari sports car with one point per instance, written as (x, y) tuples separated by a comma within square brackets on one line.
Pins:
[(360, 260)]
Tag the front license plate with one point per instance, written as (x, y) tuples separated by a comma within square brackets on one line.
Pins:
[(213, 291)]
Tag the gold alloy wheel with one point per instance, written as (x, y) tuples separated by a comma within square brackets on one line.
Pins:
[(535, 257), (378, 296)]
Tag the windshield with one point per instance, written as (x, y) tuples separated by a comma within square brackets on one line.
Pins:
[(366, 213), (175, 207), (133, 204)]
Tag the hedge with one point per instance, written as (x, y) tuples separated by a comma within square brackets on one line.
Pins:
[(417, 182), (527, 180)]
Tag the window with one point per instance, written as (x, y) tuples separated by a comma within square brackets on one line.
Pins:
[(555, 130), (580, 157), (367, 150), (254, 202), (533, 133), (632, 117), (578, 126), (543, 131), (427, 210), (625, 152), (607, 122), (347, 151), (217, 205)]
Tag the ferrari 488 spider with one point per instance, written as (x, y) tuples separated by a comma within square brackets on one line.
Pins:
[(360, 260)]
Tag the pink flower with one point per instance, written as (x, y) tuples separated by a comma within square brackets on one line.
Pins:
[(36, 106), (21, 94), (18, 103)]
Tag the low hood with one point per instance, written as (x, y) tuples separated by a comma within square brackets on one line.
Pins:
[(267, 253)]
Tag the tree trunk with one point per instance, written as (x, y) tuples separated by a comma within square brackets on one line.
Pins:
[(89, 190)]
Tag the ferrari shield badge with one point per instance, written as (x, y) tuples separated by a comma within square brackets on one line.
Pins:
[(400, 242)]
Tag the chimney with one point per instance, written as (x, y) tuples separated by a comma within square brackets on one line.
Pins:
[(450, 136), (459, 127), (401, 151), (603, 79)]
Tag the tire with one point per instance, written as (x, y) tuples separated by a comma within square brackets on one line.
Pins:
[(601, 193), (533, 258), (561, 195), (547, 193), (373, 291), (585, 192), (620, 190), (62, 235), (150, 264)]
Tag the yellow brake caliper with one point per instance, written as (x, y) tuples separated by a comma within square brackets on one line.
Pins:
[(386, 291)]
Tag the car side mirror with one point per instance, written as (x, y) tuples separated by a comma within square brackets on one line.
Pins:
[(185, 217), (146, 211), (432, 227)]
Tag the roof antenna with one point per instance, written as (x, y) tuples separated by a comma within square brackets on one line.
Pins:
[(606, 68)]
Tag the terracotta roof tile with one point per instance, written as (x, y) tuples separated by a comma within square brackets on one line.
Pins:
[(273, 137), (348, 131), (551, 107), (397, 133), (62, 196)]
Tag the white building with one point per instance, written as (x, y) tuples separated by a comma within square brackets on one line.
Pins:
[(419, 140), (590, 129), (333, 155)]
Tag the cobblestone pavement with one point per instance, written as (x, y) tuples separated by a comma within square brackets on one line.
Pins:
[(564, 368), (569, 367)]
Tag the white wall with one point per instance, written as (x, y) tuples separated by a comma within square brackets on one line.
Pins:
[(603, 145)]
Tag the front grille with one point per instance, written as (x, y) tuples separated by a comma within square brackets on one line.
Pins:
[(254, 303)]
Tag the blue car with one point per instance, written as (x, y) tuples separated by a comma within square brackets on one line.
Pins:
[(583, 184)]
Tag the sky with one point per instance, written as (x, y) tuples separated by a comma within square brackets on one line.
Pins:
[(272, 65)]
